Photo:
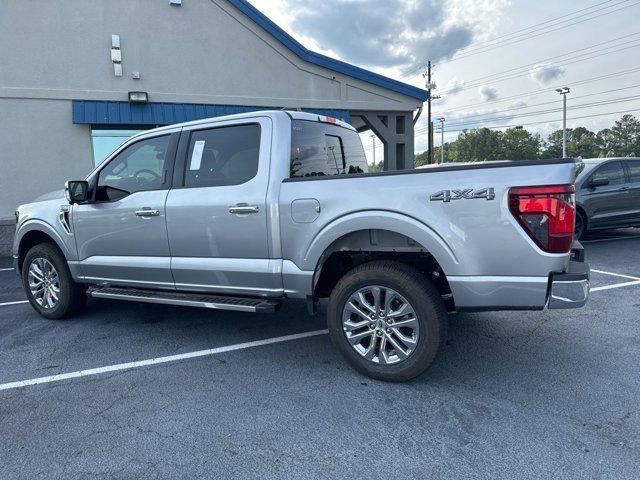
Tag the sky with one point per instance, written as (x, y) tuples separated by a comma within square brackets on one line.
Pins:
[(495, 62)]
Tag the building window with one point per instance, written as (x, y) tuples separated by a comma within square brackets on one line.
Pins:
[(104, 142)]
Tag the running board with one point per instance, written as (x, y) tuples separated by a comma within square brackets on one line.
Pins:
[(216, 302)]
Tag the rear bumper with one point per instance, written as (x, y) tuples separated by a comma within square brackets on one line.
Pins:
[(569, 289)]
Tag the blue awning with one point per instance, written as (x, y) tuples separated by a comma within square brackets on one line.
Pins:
[(92, 112)]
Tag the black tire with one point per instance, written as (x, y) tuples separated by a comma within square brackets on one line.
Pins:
[(422, 296), (72, 297), (581, 225)]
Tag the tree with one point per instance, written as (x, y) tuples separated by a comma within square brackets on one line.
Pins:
[(518, 144), (421, 158), (476, 146), (582, 143), (553, 145), (625, 136)]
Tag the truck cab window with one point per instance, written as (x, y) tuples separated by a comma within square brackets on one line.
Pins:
[(223, 156), (320, 149), (139, 167)]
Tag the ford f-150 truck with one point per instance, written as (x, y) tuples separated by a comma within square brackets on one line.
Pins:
[(242, 212)]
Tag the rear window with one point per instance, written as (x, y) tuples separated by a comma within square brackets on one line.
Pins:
[(321, 149)]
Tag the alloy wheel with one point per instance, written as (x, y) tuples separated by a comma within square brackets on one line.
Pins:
[(380, 324), (44, 283)]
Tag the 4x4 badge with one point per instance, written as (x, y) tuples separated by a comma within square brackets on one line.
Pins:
[(464, 194)]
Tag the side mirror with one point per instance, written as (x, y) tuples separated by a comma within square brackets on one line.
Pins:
[(598, 182), (76, 191)]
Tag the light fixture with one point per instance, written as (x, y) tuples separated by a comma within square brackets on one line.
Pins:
[(116, 55), (138, 97)]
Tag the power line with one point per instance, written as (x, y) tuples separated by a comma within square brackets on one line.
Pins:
[(491, 40), (552, 110), (567, 54), (472, 53), (546, 121), (591, 95), (522, 74), (545, 90), (468, 52)]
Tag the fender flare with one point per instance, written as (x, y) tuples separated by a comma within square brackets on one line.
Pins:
[(408, 226), (43, 227)]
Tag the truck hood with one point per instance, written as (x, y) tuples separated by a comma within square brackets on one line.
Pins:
[(50, 196)]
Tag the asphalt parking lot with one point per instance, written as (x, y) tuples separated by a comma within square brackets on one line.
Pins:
[(552, 394)]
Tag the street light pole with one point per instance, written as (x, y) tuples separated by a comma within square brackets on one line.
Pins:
[(441, 119), (373, 137), (563, 91)]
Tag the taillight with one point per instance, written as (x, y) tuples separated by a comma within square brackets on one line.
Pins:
[(547, 214)]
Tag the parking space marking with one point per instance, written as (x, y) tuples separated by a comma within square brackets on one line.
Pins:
[(6, 304), (160, 360), (6, 269), (615, 274), (228, 348), (610, 239), (616, 285)]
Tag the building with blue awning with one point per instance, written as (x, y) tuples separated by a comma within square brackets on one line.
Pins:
[(65, 86)]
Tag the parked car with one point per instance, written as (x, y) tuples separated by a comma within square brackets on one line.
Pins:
[(243, 212), (608, 194)]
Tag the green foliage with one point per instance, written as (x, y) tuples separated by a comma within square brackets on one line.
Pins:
[(484, 144)]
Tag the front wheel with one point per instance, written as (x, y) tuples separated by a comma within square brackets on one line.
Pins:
[(48, 283), (387, 320)]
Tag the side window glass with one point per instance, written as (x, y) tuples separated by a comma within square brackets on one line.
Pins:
[(634, 170), (139, 167), (335, 153), (222, 156), (612, 171), (320, 149)]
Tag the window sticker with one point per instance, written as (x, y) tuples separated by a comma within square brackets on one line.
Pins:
[(196, 156)]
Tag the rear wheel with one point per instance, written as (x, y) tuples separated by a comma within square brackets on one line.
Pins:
[(581, 225), (387, 320), (48, 284)]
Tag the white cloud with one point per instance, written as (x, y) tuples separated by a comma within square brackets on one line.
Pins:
[(400, 34), (453, 86), (545, 74), (488, 93)]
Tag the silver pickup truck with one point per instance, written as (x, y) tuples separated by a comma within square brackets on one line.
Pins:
[(242, 212)]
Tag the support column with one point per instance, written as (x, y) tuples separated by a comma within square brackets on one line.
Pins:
[(395, 129)]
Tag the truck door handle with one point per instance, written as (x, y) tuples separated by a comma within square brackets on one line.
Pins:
[(147, 212), (623, 189), (243, 209)]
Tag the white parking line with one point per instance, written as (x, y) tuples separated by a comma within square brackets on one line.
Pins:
[(13, 303), (609, 239), (615, 274), (157, 361), (615, 285), (6, 269), (228, 348)]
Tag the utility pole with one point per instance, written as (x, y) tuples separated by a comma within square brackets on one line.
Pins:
[(441, 119), (430, 86), (373, 138), (563, 91)]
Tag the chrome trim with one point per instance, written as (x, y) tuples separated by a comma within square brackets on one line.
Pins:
[(118, 281), (244, 209), (63, 219), (228, 287), (147, 212), (568, 294)]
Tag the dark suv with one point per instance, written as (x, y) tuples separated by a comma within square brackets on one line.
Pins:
[(608, 194)]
